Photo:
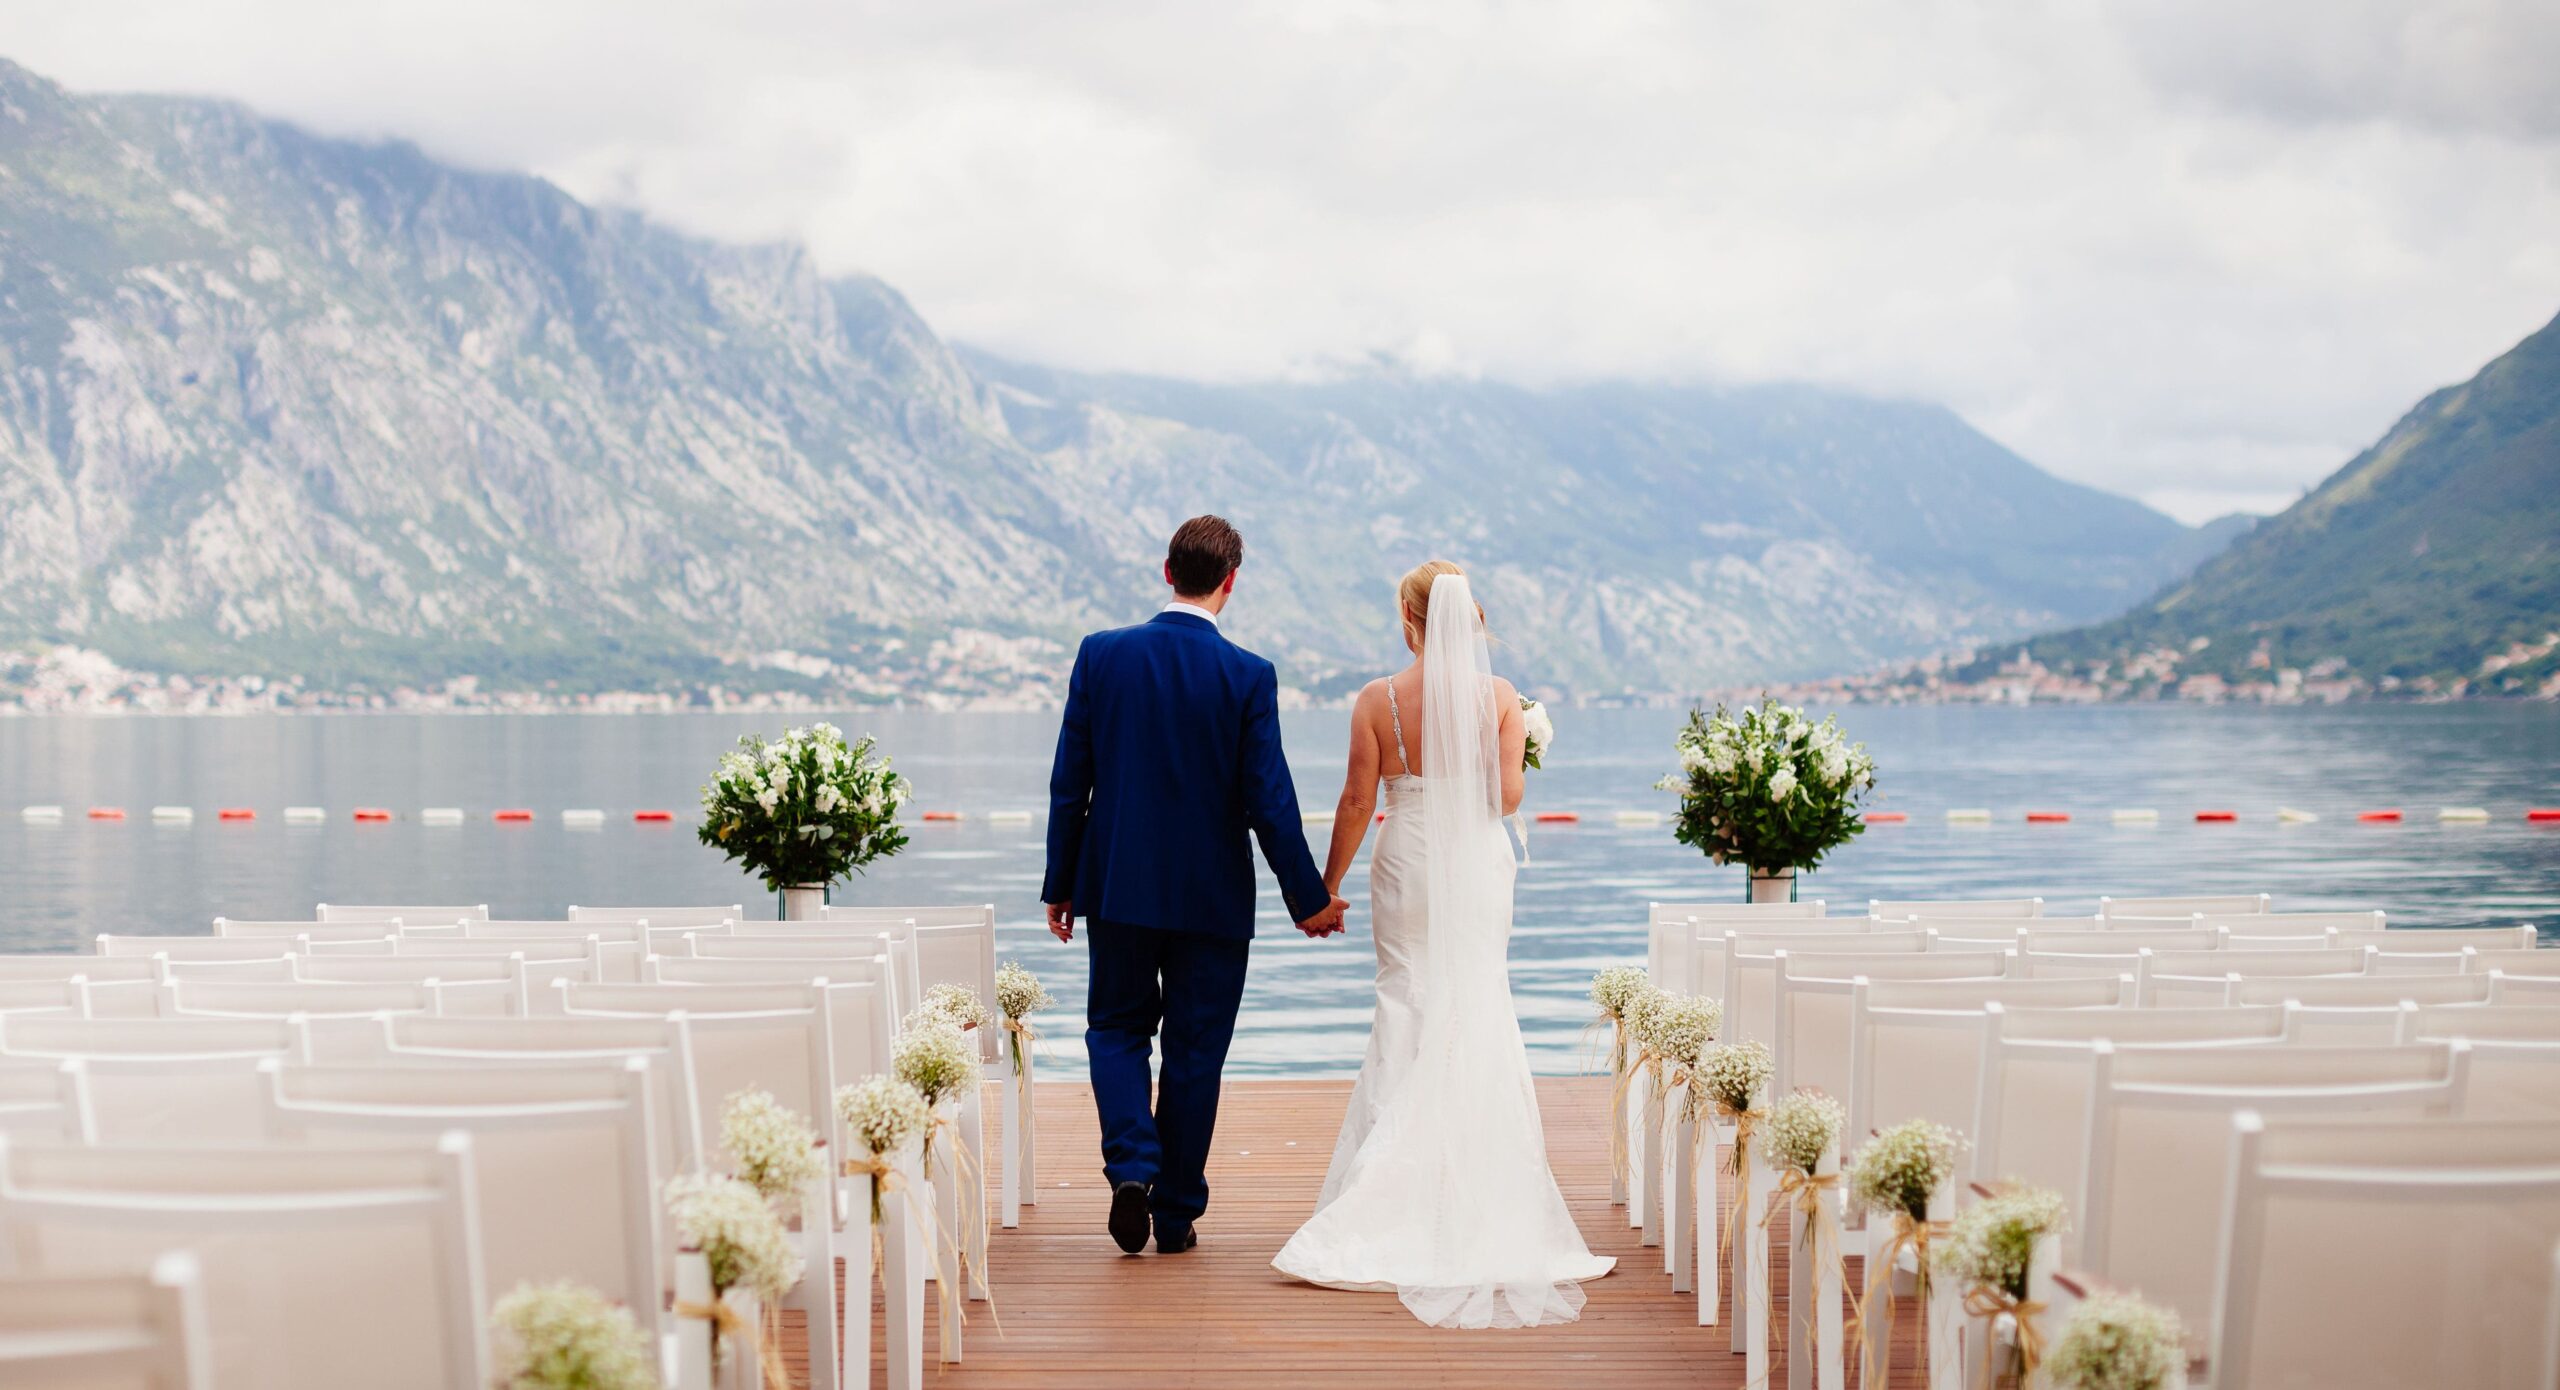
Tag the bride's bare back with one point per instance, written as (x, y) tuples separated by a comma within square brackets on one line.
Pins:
[(1374, 754)]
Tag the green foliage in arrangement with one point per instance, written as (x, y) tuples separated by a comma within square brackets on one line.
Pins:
[(1766, 787), (805, 809)]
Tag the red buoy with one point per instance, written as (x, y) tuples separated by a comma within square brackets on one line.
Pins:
[(2214, 817), (2048, 817), (372, 815), (942, 815), (513, 815), (2543, 815), (1559, 818), (106, 813), (653, 815), (2390, 815), (1886, 817), (235, 813)]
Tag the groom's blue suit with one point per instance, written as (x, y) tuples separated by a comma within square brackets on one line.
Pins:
[(1168, 757)]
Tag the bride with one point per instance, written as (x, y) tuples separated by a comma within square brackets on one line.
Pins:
[(1439, 1188)]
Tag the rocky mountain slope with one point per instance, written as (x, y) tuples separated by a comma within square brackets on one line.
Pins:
[(281, 404)]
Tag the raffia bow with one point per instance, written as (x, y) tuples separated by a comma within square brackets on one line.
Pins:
[(1988, 1302), (1806, 1189), (885, 1179), (726, 1321), (1911, 1234), (968, 1245), (1619, 1071), (1745, 1122)]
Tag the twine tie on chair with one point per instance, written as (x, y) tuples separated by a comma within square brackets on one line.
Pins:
[(1988, 1302), (1745, 1122), (1620, 1067), (726, 1322), (1807, 1189), (1908, 1234)]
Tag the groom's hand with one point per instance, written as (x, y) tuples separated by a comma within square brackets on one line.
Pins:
[(1062, 921), (1327, 922)]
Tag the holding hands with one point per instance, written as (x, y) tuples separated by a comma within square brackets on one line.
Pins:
[(1329, 921)]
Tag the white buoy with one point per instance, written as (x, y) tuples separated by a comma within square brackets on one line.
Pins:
[(2136, 815), (45, 815), (582, 815), (174, 815), (305, 815), (1639, 818), (1008, 818), (2287, 815), (1969, 815), (440, 815), (1312, 816), (2463, 813)]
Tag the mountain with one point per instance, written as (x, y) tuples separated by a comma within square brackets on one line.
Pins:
[(2431, 562), (281, 404)]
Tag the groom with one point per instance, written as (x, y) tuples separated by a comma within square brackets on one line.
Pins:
[(1169, 754)]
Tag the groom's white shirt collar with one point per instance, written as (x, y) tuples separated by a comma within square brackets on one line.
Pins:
[(1195, 610)]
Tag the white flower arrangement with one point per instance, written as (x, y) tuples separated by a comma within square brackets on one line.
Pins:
[(1990, 1242), (883, 1113), (955, 1002), (1730, 1078), (1894, 1172), (1766, 787), (1636, 1014), (734, 1227), (935, 1057), (805, 809), (567, 1336), (1019, 995), (776, 1150), (2115, 1341), (1611, 989), (1542, 733), (1676, 1028), (1800, 1130)]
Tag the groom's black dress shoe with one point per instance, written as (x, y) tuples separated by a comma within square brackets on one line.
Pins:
[(1129, 1216), (1173, 1240)]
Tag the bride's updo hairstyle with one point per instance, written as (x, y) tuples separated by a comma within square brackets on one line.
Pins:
[(1413, 594)]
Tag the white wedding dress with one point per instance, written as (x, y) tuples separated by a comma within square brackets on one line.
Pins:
[(1439, 1188)]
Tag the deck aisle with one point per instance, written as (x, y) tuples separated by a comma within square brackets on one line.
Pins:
[(1077, 1312)]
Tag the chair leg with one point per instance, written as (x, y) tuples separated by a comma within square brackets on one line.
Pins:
[(904, 1260), (1009, 1153), (1651, 1221), (972, 1196), (858, 1277), (1030, 1133), (816, 1295), (1710, 1208), (950, 1298), (1680, 1223)]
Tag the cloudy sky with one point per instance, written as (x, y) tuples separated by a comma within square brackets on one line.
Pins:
[(2193, 250)]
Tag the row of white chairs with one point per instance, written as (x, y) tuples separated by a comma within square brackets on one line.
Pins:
[(553, 1122)]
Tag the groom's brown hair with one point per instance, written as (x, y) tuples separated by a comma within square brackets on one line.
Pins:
[(1204, 551)]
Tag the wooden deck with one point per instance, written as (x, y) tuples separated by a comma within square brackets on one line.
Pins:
[(1077, 1312)]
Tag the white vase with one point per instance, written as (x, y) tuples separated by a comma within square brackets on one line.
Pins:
[(804, 902), (1779, 887)]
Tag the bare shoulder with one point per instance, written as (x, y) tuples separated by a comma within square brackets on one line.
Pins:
[(1506, 692)]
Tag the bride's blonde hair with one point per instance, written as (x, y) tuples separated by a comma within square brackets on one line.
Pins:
[(1413, 593)]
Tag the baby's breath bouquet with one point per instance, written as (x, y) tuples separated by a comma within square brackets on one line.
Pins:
[(1729, 1079), (1673, 1030), (776, 1150), (1768, 788), (1990, 1242), (1613, 990), (1019, 995), (745, 1247), (936, 1058), (882, 1113), (1894, 1172), (2115, 1341), (805, 809), (1801, 1129), (956, 1003), (567, 1336)]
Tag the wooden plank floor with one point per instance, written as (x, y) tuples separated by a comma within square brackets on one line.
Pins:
[(1078, 1312)]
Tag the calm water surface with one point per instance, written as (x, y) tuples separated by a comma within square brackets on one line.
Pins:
[(1581, 902)]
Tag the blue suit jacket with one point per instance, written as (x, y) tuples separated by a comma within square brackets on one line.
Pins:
[(1169, 754)]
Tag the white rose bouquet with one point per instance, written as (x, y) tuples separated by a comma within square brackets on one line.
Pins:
[(805, 809), (1542, 733), (1768, 788)]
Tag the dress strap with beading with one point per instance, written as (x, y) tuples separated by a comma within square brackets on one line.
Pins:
[(1396, 715)]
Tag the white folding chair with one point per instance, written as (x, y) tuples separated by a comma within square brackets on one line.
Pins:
[(2173, 978), (2313, 924), (96, 969), (1809, 1037), (2364, 1252), (107, 1331), (335, 999), (196, 947), (1748, 973), (323, 1268), (1669, 928), (396, 969), (298, 932), (2184, 906), (77, 997), (43, 1098), (564, 1163), (676, 1104), (1932, 909), (2396, 941), (191, 1080), (2519, 963), (2121, 940), (2361, 991), (2149, 1205), (2038, 1064), (1915, 1046), (660, 916), (348, 912)]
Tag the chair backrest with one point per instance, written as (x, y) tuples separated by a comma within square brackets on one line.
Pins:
[(63, 967), (676, 1105), (412, 970), (660, 916), (1747, 967), (337, 999), (947, 915), (1669, 929), (779, 970), (2291, 923), (356, 912), (962, 953), (2421, 940), (323, 1268), (1812, 998), (2203, 977), (565, 1163), (1915, 1046), (45, 997), (2362, 991), (2010, 928), (43, 1099), (2148, 1210), (2535, 1022), (309, 931), (2183, 906), (2037, 1065), (2511, 962), (182, 1100), (1931, 909), (2121, 942), (149, 1037), (772, 1037), (2462, 1212), (193, 947), (108, 1331), (848, 947)]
